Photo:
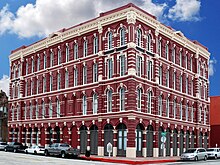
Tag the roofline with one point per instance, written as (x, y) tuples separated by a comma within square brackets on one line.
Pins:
[(104, 14)]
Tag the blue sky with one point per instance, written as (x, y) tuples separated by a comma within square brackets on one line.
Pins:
[(24, 22)]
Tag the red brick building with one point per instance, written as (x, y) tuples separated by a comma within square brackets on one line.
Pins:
[(214, 121), (122, 77)]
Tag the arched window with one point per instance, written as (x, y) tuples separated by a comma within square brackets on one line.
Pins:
[(139, 37), (45, 61), (149, 42), (174, 55), (58, 81), (181, 59), (50, 109), (84, 105), (67, 53), (181, 83), (192, 114), (190, 63), (66, 79), (149, 102), (26, 67), (200, 114), (25, 111), (38, 63), (31, 110), (174, 80), (58, 108), (139, 66), (187, 112), (160, 75), (51, 82), (75, 76), (32, 87), (139, 97), (37, 88), (32, 66), (186, 60), (95, 103), (109, 37), (122, 99), (150, 70), (95, 45), (167, 51), (51, 58), (37, 111), (109, 101), (95, 72), (43, 110), (160, 105), (75, 51), (192, 87), (204, 116), (168, 78), (122, 65), (59, 58), (122, 36), (199, 68), (110, 68), (14, 72), (167, 107), (85, 48), (174, 108), (181, 111), (84, 74), (187, 85), (159, 48)]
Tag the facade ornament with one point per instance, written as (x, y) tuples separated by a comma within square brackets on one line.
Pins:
[(131, 17)]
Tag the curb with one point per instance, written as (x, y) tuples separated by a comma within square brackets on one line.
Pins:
[(133, 162)]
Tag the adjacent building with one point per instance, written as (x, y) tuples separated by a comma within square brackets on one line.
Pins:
[(214, 121), (122, 78), (3, 116)]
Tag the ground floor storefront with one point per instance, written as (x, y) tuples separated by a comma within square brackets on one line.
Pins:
[(130, 135)]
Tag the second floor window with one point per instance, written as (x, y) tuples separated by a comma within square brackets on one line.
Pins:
[(85, 75), (149, 102), (187, 86), (31, 111), (167, 51), (149, 43), (174, 109), (139, 98), (160, 75), (45, 61), (85, 48), (160, 105), (174, 55), (159, 48), (37, 88), (122, 65), (95, 103), (44, 84), (167, 107), (122, 99), (181, 84), (109, 37), (95, 72), (50, 109), (58, 108), (181, 59), (26, 67), (174, 80), (168, 78), (109, 101), (84, 106)]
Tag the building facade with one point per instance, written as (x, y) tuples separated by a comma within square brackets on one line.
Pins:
[(122, 78), (214, 121), (3, 116)]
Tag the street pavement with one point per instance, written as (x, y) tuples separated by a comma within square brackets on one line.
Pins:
[(208, 162), (10, 158)]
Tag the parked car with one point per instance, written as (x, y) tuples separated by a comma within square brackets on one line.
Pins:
[(3, 145), (35, 150), (61, 149), (194, 154), (15, 147), (213, 153)]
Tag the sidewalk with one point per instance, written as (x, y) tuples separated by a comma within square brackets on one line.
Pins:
[(139, 160)]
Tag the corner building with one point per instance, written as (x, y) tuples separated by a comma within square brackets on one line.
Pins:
[(122, 77)]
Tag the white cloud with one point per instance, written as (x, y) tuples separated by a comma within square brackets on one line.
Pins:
[(212, 62), (45, 17), (4, 84), (185, 10)]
